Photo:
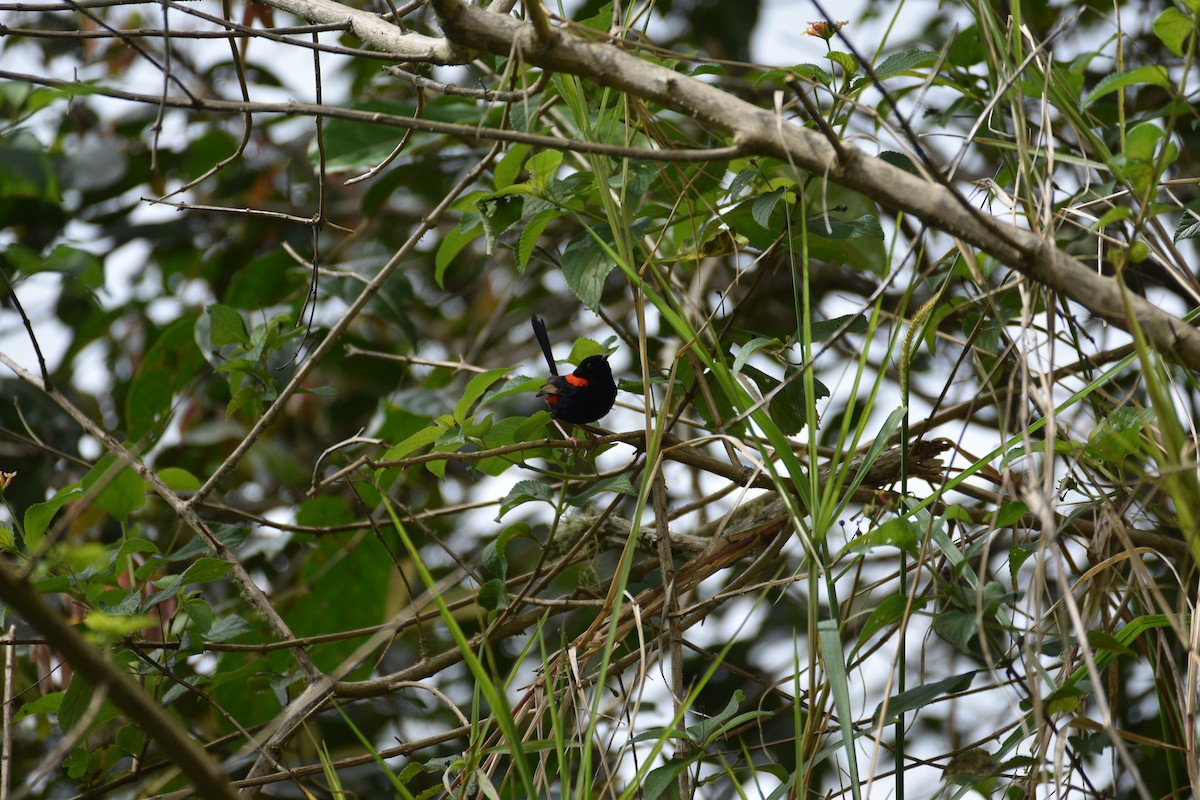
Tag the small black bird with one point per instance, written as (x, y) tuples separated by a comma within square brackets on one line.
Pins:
[(584, 396)]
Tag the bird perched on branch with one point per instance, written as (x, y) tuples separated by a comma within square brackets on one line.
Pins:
[(584, 396)]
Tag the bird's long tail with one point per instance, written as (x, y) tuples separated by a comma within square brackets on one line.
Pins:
[(539, 330)]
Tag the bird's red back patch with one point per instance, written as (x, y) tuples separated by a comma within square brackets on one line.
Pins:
[(575, 380)]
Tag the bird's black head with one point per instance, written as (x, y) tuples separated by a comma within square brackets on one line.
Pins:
[(594, 367)]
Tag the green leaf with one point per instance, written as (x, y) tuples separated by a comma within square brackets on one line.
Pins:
[(206, 570), (179, 479), (75, 700), (905, 61), (509, 167), (586, 263), (899, 532), (617, 484), (200, 615), (922, 696), (495, 560), (532, 233), (454, 241), (828, 227), (825, 329), (110, 627), (498, 213), (1188, 227), (889, 611), (1173, 27), (119, 490), (170, 364), (1153, 75), (1120, 435), (1009, 513), (524, 492), (423, 437), (492, 595), (750, 348), (662, 782), (475, 389), (226, 326), (232, 536), (38, 516), (764, 204), (957, 627), (543, 168), (847, 62)]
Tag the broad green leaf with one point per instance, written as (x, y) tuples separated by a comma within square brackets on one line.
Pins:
[(1173, 27), (586, 263), (492, 596), (75, 701), (226, 326), (450, 246), (509, 167), (119, 490), (764, 204), (904, 61), (532, 233), (206, 570), (38, 516), (498, 213), (475, 389), (169, 365), (524, 492)]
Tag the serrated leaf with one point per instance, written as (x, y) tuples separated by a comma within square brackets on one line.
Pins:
[(618, 484), (509, 167), (498, 213), (1188, 227), (847, 62), (75, 701), (524, 492), (531, 234), (904, 61), (586, 263)]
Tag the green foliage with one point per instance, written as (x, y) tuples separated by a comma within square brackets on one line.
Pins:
[(290, 431)]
